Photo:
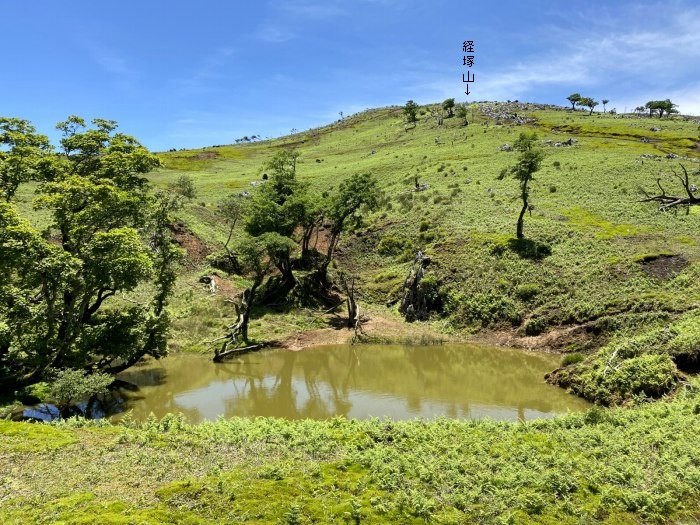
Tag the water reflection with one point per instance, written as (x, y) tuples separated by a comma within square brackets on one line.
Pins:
[(458, 381)]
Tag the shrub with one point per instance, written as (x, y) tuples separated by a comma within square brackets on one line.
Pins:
[(527, 291), (485, 309), (572, 359), (70, 386), (535, 326), (392, 246)]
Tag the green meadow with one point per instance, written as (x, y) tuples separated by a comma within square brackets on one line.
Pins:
[(610, 282), (595, 264)]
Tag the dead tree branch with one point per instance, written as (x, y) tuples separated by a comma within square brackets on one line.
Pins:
[(671, 201)]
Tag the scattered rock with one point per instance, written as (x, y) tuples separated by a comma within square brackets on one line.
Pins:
[(506, 147), (655, 129)]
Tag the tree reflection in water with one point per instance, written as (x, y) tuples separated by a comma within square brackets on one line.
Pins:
[(459, 381)]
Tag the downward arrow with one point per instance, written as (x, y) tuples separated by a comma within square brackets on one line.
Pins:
[(467, 91)]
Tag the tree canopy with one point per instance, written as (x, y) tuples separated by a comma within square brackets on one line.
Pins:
[(410, 110), (574, 98), (660, 106), (588, 102), (108, 235)]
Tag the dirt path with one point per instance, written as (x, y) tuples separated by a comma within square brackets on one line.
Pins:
[(375, 326)]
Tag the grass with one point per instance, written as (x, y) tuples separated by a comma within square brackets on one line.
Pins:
[(585, 242), (617, 466)]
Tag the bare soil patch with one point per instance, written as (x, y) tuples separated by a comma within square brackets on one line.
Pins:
[(206, 155), (196, 250), (664, 267), (374, 326)]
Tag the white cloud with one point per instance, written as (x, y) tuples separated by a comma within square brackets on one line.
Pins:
[(629, 65)]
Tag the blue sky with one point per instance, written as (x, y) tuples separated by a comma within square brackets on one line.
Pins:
[(189, 74)]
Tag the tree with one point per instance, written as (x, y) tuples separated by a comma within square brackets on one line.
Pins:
[(108, 235), (410, 110), (184, 185), (661, 106), (353, 193), (605, 102), (461, 112), (256, 255), (231, 209), (448, 105), (23, 154), (574, 98), (588, 102), (671, 201), (529, 162), (279, 207)]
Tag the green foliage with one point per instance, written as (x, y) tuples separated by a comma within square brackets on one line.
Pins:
[(448, 105), (71, 386), (574, 98), (535, 326), (638, 367), (527, 291), (620, 466), (108, 235), (661, 106), (587, 102), (184, 185), (572, 358), (483, 309), (24, 155), (410, 110)]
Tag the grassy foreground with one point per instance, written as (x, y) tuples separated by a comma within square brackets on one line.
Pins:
[(639, 465)]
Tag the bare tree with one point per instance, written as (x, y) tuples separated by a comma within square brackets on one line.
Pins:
[(672, 201)]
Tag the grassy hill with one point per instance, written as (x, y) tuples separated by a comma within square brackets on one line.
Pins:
[(612, 282), (596, 262)]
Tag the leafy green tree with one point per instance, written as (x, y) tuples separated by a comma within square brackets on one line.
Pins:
[(279, 207), (23, 154), (184, 185), (529, 161), (256, 256), (605, 102), (574, 99), (354, 193), (662, 106), (589, 103), (232, 210), (461, 112), (449, 105), (67, 387), (410, 110), (108, 235)]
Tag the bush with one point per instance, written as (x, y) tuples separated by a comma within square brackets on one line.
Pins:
[(392, 246), (527, 291), (430, 286), (535, 326), (572, 359), (67, 387), (485, 309)]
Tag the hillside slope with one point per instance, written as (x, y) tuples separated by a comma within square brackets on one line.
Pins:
[(595, 262)]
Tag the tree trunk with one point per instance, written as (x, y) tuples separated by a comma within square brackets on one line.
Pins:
[(413, 305), (519, 228)]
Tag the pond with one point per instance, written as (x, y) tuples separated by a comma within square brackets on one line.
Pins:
[(363, 381)]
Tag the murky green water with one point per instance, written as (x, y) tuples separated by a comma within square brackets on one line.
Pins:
[(458, 381)]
